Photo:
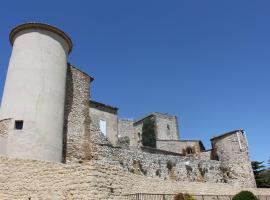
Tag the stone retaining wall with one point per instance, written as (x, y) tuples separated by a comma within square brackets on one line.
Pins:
[(22, 179)]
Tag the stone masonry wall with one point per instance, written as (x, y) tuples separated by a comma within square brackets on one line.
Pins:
[(77, 119), (126, 129), (23, 179), (111, 122), (179, 146), (165, 167), (166, 127), (232, 151), (4, 129)]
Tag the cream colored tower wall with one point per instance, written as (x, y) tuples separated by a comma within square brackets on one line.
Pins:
[(35, 93)]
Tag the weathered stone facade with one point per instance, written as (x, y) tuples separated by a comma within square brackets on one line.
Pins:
[(5, 126), (77, 143), (166, 126), (232, 151), (179, 168), (184, 147), (108, 114), (31, 179), (96, 166)]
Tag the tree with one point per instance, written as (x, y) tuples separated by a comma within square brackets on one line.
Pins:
[(262, 175), (257, 167), (148, 133), (245, 195)]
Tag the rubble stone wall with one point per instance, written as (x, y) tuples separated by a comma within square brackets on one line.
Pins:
[(179, 146), (165, 167), (232, 151), (77, 120), (4, 129), (32, 179)]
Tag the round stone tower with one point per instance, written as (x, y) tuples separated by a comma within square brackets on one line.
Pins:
[(34, 92), (232, 150)]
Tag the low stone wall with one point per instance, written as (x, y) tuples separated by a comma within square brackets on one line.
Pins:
[(22, 179)]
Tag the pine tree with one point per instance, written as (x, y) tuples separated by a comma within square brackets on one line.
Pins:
[(262, 175)]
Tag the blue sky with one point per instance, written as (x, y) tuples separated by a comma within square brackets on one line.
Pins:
[(208, 62)]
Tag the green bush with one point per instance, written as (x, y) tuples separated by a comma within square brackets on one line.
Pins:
[(182, 196), (189, 197), (245, 195)]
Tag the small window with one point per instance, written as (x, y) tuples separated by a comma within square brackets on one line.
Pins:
[(18, 125), (189, 151), (103, 127), (139, 136)]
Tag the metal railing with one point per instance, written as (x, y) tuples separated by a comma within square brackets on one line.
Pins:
[(144, 196)]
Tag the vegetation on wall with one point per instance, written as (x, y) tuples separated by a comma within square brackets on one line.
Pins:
[(262, 174), (245, 195), (148, 133), (182, 196)]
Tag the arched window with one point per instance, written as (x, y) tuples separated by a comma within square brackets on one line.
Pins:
[(189, 150), (139, 136)]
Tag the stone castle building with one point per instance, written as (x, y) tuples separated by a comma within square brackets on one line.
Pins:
[(51, 127)]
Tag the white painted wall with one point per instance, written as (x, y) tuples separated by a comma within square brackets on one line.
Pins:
[(35, 92)]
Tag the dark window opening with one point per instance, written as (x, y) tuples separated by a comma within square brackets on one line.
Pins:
[(189, 151), (18, 124)]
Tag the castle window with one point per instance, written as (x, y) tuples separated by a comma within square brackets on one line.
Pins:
[(189, 151), (139, 136), (168, 130), (103, 127), (18, 124)]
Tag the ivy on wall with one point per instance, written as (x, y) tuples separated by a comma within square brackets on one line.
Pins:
[(148, 133)]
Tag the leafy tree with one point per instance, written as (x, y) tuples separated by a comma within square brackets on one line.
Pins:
[(148, 133)]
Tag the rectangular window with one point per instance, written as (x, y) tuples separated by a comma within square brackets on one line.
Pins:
[(18, 124), (103, 127)]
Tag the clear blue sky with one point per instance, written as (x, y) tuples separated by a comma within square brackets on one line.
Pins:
[(208, 62)]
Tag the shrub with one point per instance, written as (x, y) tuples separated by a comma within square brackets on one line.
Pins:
[(182, 196), (170, 165), (245, 195), (189, 197), (179, 196)]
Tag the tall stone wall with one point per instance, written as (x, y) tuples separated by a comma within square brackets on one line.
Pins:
[(32, 179), (125, 128), (77, 120), (232, 151), (166, 127)]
